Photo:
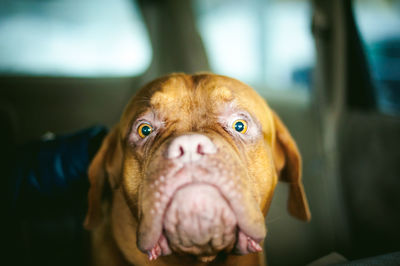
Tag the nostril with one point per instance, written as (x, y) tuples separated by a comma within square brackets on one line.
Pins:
[(181, 151), (205, 147), (176, 150), (200, 149)]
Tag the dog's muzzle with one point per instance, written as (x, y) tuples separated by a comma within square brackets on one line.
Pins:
[(201, 204)]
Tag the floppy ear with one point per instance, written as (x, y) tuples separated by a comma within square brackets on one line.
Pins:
[(105, 167), (288, 166)]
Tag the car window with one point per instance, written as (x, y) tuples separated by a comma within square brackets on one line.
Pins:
[(73, 38), (267, 44), (378, 22)]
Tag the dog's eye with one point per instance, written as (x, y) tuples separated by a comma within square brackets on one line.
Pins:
[(144, 130), (240, 126)]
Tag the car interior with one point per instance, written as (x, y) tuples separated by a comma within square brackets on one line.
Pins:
[(330, 69)]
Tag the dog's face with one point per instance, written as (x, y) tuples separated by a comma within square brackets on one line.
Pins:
[(192, 167)]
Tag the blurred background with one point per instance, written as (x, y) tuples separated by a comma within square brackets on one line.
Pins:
[(331, 69)]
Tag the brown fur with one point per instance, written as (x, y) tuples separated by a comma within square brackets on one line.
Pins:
[(113, 217)]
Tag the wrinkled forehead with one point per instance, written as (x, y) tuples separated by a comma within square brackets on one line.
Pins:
[(183, 97), (191, 96), (205, 92)]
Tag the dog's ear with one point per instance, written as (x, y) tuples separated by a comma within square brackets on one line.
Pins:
[(105, 167), (288, 166)]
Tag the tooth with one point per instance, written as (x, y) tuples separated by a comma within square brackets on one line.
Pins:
[(149, 255), (155, 252), (253, 246)]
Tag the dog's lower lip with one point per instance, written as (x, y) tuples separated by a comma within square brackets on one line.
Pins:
[(199, 213), (151, 225)]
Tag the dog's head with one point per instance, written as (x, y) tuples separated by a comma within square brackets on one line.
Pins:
[(192, 167)]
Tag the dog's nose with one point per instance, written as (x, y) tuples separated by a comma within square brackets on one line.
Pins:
[(189, 148)]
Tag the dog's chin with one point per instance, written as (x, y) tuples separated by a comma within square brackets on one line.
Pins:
[(200, 215), (200, 222)]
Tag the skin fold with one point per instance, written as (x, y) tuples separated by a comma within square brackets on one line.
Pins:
[(192, 187)]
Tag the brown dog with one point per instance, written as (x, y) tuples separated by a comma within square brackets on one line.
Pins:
[(188, 174)]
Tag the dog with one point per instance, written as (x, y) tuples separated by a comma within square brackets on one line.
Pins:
[(188, 174)]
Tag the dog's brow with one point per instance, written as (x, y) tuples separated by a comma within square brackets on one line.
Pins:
[(162, 99), (222, 93)]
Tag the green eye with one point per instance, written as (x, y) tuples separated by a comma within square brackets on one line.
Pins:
[(144, 130), (240, 126)]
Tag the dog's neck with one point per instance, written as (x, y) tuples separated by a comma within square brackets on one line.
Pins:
[(103, 248)]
